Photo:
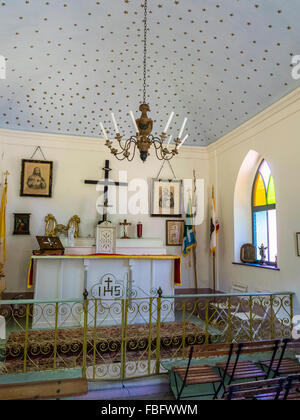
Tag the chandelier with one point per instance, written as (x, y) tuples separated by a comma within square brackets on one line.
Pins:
[(143, 139)]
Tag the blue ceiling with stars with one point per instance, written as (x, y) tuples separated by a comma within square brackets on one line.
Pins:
[(70, 63)]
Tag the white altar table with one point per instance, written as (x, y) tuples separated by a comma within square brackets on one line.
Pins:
[(109, 278)]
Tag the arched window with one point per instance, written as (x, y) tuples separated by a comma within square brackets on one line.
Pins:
[(264, 212)]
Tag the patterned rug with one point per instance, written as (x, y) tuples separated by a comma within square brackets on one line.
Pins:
[(46, 349)]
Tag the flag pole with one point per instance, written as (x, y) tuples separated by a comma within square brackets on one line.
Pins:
[(194, 248), (214, 272), (6, 175)]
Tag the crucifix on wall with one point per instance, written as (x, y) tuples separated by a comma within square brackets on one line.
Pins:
[(106, 184)]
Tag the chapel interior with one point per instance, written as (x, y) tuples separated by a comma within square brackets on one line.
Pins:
[(149, 156)]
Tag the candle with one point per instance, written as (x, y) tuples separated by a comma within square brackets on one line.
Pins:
[(169, 122), (183, 141), (114, 122), (182, 128), (103, 131), (139, 230), (169, 141), (134, 122)]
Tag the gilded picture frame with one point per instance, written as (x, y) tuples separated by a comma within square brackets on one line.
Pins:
[(36, 178)]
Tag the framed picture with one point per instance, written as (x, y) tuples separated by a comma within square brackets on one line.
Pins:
[(174, 232), (36, 178), (248, 253), (21, 224), (298, 243), (166, 200)]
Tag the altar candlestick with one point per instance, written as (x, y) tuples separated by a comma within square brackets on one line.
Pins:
[(103, 131), (169, 122), (134, 122), (182, 128), (114, 122)]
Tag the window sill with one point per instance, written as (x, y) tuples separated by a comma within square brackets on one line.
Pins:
[(266, 267)]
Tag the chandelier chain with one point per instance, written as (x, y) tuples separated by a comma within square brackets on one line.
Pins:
[(145, 50)]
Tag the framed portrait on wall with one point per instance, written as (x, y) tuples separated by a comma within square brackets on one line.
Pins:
[(36, 178), (166, 199), (298, 243), (174, 232), (21, 223)]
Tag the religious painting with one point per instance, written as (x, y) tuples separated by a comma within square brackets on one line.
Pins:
[(298, 243), (36, 178), (166, 200), (21, 223), (174, 232)]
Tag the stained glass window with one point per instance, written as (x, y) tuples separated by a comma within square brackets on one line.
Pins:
[(264, 212)]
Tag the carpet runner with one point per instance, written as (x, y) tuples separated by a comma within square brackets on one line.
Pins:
[(47, 349)]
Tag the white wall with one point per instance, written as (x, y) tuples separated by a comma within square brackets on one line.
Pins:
[(76, 159), (274, 135)]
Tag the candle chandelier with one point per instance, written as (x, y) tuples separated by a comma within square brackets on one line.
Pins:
[(143, 139)]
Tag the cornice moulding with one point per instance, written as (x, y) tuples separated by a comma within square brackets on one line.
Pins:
[(61, 141)]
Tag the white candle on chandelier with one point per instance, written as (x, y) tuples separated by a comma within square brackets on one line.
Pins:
[(183, 141), (114, 122), (169, 122), (169, 141), (103, 131), (134, 122), (182, 128)]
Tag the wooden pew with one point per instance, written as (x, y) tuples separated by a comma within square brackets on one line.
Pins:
[(57, 389)]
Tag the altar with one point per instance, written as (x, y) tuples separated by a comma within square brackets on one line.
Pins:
[(107, 279)]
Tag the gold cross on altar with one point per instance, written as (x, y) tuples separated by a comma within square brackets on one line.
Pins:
[(125, 225)]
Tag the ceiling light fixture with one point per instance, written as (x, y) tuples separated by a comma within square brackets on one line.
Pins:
[(143, 139)]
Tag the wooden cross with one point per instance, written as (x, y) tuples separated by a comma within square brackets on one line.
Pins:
[(125, 224), (106, 184)]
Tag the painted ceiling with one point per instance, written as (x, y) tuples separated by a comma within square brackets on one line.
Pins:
[(70, 63)]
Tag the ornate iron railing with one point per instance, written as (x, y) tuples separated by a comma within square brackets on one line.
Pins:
[(124, 338)]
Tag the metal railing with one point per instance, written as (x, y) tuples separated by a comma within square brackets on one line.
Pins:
[(129, 337)]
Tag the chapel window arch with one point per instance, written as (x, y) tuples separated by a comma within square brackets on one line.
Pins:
[(264, 218)]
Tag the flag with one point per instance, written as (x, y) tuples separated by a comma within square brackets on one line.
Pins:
[(214, 226), (189, 240), (3, 229)]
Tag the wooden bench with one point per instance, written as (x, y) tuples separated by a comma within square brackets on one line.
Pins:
[(61, 388)]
